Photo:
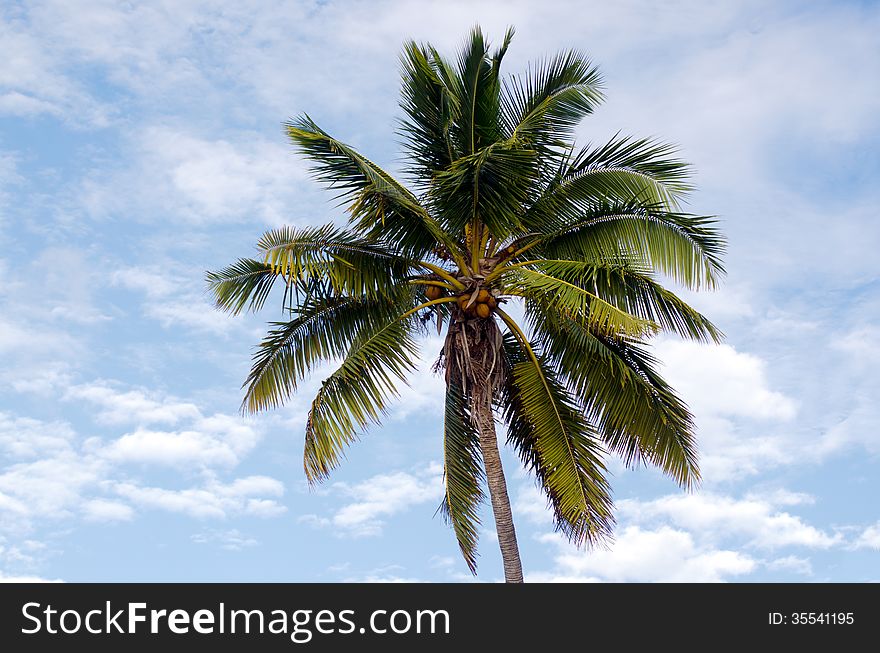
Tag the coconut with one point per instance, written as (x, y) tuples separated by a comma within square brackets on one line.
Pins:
[(483, 296), (483, 310), (492, 302), (433, 292)]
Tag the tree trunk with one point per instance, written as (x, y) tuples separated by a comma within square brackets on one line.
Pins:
[(482, 414)]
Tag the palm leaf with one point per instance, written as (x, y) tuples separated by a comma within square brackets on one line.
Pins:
[(545, 105), (687, 248), (356, 394), (637, 413), (556, 442), (463, 474), (488, 186), (645, 157), (574, 302), (349, 263), (383, 209), (636, 293), (478, 75), (324, 328), (244, 284), (430, 99)]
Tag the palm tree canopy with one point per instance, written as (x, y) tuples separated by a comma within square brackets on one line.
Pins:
[(499, 207)]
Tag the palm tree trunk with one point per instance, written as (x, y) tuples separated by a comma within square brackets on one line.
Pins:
[(482, 414)]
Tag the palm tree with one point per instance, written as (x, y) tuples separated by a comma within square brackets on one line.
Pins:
[(501, 211)]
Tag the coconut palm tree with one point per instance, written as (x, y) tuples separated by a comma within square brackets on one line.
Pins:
[(539, 261)]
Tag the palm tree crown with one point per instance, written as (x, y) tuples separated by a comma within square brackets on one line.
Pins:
[(500, 208)]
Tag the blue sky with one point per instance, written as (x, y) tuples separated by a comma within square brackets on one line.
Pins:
[(141, 144)]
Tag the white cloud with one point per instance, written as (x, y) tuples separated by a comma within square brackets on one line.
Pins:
[(207, 441), (781, 497), (9, 177), (692, 537), (863, 344), (51, 487), (858, 427), (43, 380), (231, 540), (152, 282), (131, 407), (213, 500), (370, 578), (869, 538), (378, 498), (179, 448), (424, 393), (384, 574), (4, 578), (18, 339), (193, 313), (718, 380), (714, 516), (200, 180), (219, 180), (661, 555), (102, 510), (55, 474), (32, 80), (791, 564), (531, 504), (174, 298), (25, 438), (738, 415)]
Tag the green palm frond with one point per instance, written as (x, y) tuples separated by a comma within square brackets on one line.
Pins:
[(686, 248), (382, 209), (544, 106), (356, 394), (638, 415), (430, 99), (646, 158), (635, 292), (478, 124), (576, 303), (244, 284), (556, 442), (349, 263), (462, 474), (324, 328), (497, 179)]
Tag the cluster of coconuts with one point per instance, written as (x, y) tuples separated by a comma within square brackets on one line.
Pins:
[(482, 306)]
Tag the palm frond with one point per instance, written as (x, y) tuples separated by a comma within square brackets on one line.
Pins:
[(356, 394), (462, 474), (323, 329), (382, 209), (348, 262), (646, 157), (557, 444), (634, 291), (244, 284), (638, 415), (687, 248), (490, 186), (544, 106), (430, 99), (478, 118), (578, 304)]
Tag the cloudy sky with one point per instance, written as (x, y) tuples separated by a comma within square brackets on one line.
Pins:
[(141, 144)]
